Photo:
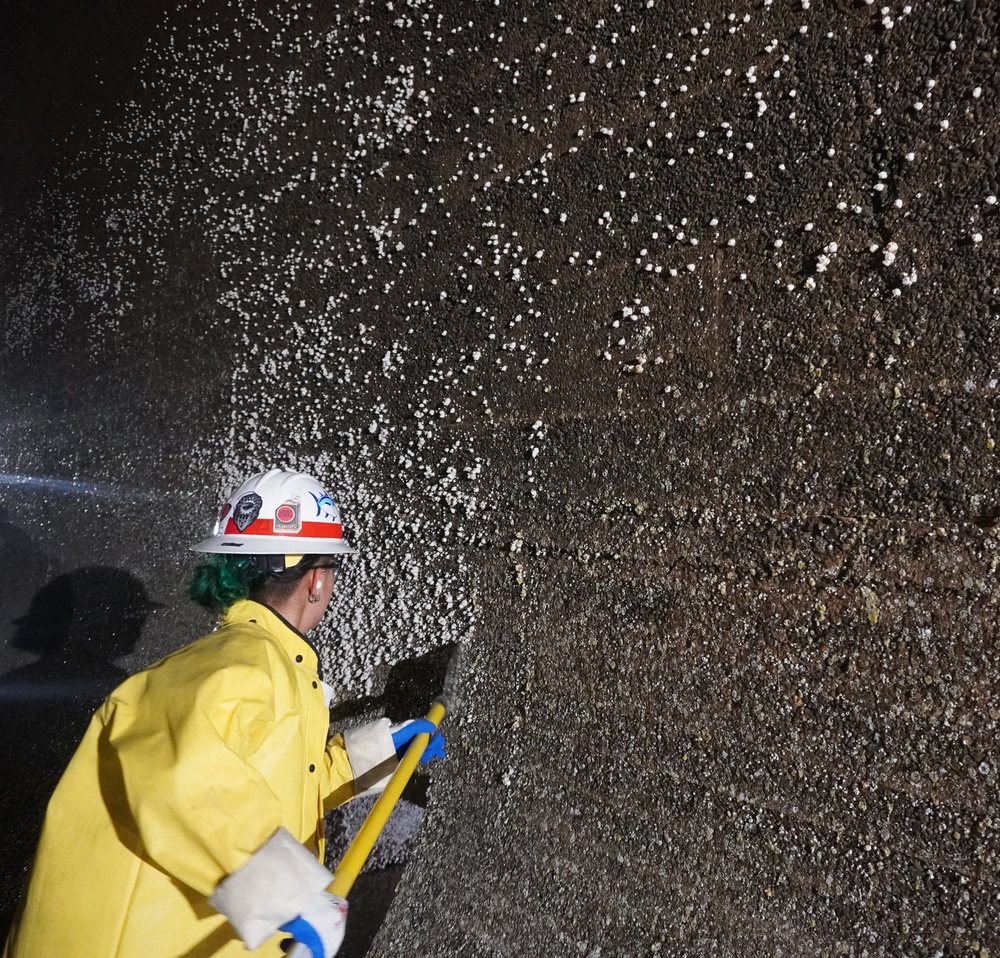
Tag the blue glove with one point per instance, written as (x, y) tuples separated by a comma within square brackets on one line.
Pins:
[(319, 931), (405, 732)]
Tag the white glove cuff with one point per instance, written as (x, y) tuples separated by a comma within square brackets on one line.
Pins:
[(372, 756), (280, 880)]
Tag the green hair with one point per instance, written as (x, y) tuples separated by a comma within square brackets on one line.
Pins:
[(221, 580)]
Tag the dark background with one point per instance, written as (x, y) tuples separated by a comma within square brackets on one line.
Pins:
[(719, 537)]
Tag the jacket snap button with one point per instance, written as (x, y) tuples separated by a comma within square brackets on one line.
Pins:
[(312, 768), (254, 621), (314, 685), (298, 658)]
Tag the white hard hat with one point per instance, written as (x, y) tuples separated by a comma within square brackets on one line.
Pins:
[(278, 512)]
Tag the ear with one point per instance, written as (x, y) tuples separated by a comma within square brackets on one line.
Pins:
[(314, 577)]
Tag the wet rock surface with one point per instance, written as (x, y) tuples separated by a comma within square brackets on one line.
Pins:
[(651, 348)]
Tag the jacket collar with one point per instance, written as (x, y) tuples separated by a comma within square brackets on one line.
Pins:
[(246, 611)]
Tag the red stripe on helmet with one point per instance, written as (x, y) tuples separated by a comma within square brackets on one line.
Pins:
[(309, 530)]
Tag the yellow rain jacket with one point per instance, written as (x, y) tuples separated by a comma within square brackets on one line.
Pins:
[(186, 770)]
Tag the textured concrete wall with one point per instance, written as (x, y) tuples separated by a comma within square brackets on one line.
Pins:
[(652, 348)]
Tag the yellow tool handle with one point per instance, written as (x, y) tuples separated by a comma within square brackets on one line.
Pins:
[(361, 847)]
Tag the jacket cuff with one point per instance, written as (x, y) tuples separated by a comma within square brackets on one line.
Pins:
[(372, 756), (273, 887)]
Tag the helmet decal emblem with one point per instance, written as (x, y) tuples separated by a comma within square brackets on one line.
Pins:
[(325, 506), (246, 510), (287, 517)]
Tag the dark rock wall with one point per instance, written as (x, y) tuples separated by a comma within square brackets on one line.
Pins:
[(651, 348)]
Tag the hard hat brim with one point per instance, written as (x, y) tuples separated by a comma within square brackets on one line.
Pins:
[(273, 545)]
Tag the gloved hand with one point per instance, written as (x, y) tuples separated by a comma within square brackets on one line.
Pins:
[(405, 732), (319, 930)]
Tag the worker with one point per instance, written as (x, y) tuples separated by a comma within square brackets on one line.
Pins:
[(189, 821)]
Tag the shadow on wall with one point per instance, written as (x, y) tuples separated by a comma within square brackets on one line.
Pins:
[(409, 690), (24, 569), (77, 625)]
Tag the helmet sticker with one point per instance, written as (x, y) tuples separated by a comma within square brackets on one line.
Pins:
[(246, 510), (220, 523), (325, 506), (287, 517)]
